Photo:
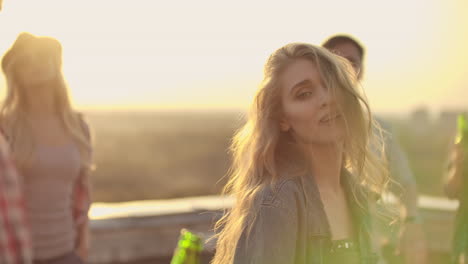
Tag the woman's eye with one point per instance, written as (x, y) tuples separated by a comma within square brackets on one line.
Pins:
[(303, 95)]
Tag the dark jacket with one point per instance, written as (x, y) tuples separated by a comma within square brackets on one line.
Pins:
[(291, 226)]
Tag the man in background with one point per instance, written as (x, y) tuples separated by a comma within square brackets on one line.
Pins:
[(412, 242)]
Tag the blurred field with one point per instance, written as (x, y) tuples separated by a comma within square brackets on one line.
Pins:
[(427, 143), (158, 155)]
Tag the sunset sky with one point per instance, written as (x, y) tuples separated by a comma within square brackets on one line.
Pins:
[(209, 54)]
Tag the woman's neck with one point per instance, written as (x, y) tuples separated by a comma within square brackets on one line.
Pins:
[(325, 161)]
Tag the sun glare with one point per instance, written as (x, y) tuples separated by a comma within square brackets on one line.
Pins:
[(209, 55)]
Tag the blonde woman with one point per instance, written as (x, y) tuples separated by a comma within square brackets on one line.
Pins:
[(303, 173), (51, 147)]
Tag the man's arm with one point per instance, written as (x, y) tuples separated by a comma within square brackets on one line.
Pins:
[(412, 238), (401, 173)]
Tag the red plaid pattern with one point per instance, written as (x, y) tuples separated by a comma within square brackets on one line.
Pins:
[(82, 200), (15, 243), (81, 194)]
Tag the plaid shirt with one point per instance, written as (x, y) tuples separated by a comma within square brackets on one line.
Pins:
[(15, 244)]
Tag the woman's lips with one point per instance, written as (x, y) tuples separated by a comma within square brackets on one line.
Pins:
[(328, 118)]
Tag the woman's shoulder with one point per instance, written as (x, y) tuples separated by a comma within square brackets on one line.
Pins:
[(83, 123), (283, 193), (80, 115), (5, 126)]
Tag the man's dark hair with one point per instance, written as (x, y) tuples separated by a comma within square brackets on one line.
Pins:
[(333, 41)]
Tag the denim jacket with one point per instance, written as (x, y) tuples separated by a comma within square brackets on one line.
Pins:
[(291, 226)]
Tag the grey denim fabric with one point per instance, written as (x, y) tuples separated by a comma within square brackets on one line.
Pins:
[(291, 226)]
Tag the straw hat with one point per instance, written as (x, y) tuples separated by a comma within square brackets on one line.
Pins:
[(26, 42)]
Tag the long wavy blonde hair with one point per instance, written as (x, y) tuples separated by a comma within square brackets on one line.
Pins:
[(258, 147), (14, 118)]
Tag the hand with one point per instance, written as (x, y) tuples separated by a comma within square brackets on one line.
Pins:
[(458, 154), (82, 252), (454, 173), (413, 244), (82, 246)]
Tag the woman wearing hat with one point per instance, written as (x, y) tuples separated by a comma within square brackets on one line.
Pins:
[(51, 146)]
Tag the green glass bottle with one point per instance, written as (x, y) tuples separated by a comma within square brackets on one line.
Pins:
[(188, 249), (460, 240), (462, 130)]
